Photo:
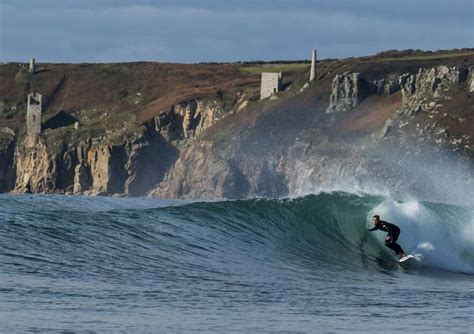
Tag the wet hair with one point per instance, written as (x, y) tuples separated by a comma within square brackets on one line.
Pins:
[(376, 216)]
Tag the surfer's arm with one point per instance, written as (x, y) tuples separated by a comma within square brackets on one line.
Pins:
[(373, 229)]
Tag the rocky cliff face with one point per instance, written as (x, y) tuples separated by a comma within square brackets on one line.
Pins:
[(394, 157), (351, 129), (7, 149), (89, 168), (36, 169), (93, 167), (435, 82), (471, 79), (188, 119), (197, 173), (388, 85), (348, 90)]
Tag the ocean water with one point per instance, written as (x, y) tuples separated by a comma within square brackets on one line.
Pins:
[(78, 264)]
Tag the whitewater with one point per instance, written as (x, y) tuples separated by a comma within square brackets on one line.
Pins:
[(306, 264)]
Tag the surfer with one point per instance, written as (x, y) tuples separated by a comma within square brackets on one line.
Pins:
[(392, 236)]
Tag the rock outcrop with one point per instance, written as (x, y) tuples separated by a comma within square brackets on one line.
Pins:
[(106, 169), (435, 81), (188, 119), (196, 174), (91, 167), (85, 169), (36, 169), (388, 85), (7, 149), (426, 95), (82, 170), (471, 80), (348, 90), (202, 172)]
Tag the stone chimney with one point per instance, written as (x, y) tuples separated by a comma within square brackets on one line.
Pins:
[(312, 75), (32, 65)]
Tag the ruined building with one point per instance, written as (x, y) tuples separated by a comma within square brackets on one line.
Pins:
[(312, 75), (33, 115), (271, 83)]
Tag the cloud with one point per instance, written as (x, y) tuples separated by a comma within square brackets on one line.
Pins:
[(210, 30)]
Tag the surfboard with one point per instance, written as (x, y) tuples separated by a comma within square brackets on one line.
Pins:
[(406, 258)]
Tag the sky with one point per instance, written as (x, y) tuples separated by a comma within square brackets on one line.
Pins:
[(190, 31)]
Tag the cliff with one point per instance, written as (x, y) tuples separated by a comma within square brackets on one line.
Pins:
[(200, 131)]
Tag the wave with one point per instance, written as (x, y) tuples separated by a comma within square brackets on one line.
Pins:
[(326, 231), (332, 228)]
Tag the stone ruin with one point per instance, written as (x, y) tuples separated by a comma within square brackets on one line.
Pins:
[(271, 83), (33, 115)]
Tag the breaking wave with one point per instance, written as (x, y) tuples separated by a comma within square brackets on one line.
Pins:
[(328, 230)]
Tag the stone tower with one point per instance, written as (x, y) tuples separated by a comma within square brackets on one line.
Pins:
[(312, 75), (33, 115), (271, 83), (32, 65)]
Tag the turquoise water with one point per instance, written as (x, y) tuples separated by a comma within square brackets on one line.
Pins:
[(78, 264)]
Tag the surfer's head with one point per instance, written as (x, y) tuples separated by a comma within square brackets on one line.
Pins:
[(376, 219)]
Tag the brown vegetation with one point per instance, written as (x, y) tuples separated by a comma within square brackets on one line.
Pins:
[(371, 113)]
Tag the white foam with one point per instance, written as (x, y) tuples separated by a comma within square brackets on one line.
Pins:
[(425, 246)]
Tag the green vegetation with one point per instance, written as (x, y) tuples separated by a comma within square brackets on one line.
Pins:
[(257, 69), (428, 56), (23, 77), (111, 125)]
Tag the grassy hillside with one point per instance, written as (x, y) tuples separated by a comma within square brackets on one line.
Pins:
[(115, 91), (123, 96)]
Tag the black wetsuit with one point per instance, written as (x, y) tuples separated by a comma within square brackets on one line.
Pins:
[(393, 231)]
